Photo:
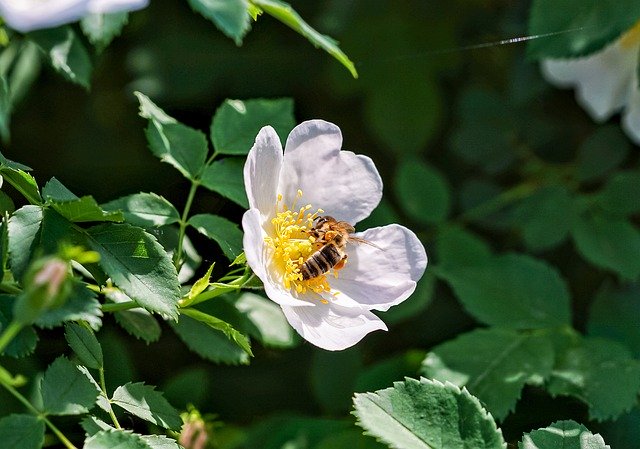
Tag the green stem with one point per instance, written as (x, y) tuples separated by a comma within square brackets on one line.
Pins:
[(103, 387), (119, 306), (177, 257), (498, 202), (10, 288), (63, 439), (9, 334), (213, 156), (219, 290)]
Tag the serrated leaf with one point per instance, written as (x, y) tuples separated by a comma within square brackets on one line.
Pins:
[(56, 191), (23, 182), (209, 343), (66, 390), (24, 226), (266, 321), (160, 442), (85, 344), (145, 402), (65, 53), (615, 314), (4, 162), (285, 14), (230, 16), (92, 425), (82, 304), (215, 323), (225, 177), (493, 364), (25, 342), (145, 210), (619, 195), (578, 27), (426, 414), (599, 372), (201, 284), (179, 145), (137, 322), (565, 434), (85, 209), (21, 432), (513, 291), (236, 123), (603, 151), (100, 29), (115, 439), (422, 191), (224, 232), (609, 242), (139, 265)]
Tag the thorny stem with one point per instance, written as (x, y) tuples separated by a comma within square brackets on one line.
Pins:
[(103, 387), (63, 439), (177, 257)]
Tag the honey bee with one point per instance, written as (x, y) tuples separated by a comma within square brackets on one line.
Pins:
[(331, 238)]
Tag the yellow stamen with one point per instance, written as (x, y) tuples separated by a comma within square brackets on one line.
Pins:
[(632, 37), (292, 245)]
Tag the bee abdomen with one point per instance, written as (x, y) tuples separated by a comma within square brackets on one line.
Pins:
[(321, 261)]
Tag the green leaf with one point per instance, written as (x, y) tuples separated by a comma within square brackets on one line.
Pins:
[(220, 325), (188, 386), (615, 314), (580, 27), (66, 53), (24, 226), (458, 247), (224, 232), (545, 217), (21, 432), (599, 372), (145, 210), (351, 438), (25, 342), (619, 195), (209, 342), (514, 291), (23, 182), (266, 322), (201, 284), (292, 432), (92, 425), (426, 414), (137, 322), (6, 163), (100, 29), (145, 402), (5, 108), (174, 143), (609, 242), (230, 16), (56, 191), (66, 390), (285, 14), (225, 177), (125, 439), (603, 151), (85, 209), (236, 123), (85, 344), (422, 191), (564, 434), (82, 304), (493, 364), (139, 265)]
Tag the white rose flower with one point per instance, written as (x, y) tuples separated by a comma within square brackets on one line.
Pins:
[(605, 82), (29, 15), (287, 192)]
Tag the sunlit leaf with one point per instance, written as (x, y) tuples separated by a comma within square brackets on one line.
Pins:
[(100, 29), (85, 345), (230, 16), (144, 209), (564, 434), (66, 390), (224, 232), (145, 402)]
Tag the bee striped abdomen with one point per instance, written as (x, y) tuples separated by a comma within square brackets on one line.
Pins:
[(321, 261)]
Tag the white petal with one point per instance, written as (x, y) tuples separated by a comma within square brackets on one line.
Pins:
[(258, 258), (29, 15), (631, 116), (332, 327), (345, 185), (262, 170), (602, 80), (378, 278), (110, 6)]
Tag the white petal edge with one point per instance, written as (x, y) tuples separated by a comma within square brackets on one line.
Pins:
[(262, 170), (602, 80), (382, 276), (111, 6), (631, 116), (258, 258), (345, 185), (332, 327)]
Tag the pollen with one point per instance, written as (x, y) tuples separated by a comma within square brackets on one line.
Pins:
[(292, 245), (632, 37)]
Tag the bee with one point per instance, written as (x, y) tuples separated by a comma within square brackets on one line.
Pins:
[(331, 238)]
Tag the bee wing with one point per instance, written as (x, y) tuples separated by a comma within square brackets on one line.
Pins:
[(366, 242)]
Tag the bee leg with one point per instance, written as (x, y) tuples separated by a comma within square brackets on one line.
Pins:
[(340, 265)]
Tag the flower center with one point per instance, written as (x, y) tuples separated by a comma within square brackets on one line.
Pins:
[(293, 245), (632, 37)]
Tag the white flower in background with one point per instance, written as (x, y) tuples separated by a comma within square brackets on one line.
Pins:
[(29, 15), (606, 82), (286, 193)]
